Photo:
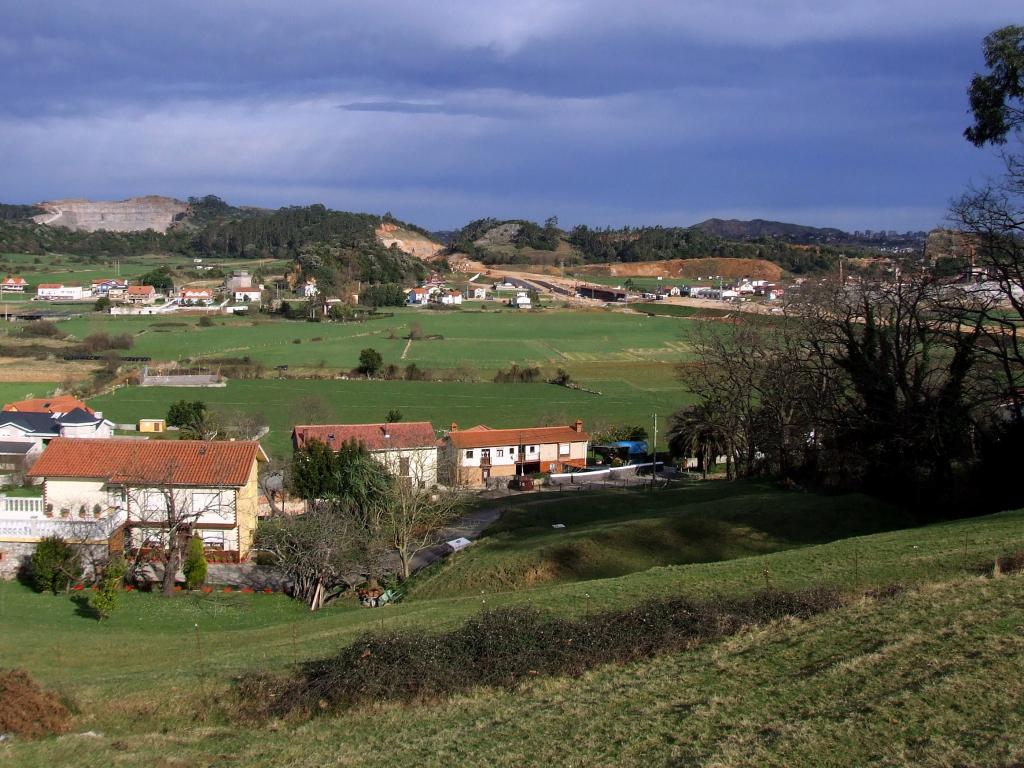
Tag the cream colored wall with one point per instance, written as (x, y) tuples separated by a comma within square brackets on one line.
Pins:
[(422, 462), (72, 494), (247, 502)]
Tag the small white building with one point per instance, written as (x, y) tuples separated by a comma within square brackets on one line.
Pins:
[(196, 296), (247, 294), (417, 296), (309, 290), (14, 283), (59, 291), (480, 294), (521, 301), (449, 298)]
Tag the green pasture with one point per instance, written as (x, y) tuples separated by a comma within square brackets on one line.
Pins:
[(282, 403), (481, 340), (613, 533), (12, 390), (930, 677)]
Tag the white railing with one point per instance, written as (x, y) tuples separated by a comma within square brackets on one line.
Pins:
[(75, 530), (21, 505)]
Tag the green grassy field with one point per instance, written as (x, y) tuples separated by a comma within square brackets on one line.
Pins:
[(282, 403), (929, 678), (614, 533), (12, 390), (480, 340)]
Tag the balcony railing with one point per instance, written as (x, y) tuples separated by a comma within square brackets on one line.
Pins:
[(35, 528)]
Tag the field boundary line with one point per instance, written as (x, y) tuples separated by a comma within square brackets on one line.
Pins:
[(406, 350)]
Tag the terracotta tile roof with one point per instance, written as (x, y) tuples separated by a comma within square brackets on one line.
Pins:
[(15, 280), (140, 462), (141, 290), (412, 434), (50, 285), (485, 438), (56, 404)]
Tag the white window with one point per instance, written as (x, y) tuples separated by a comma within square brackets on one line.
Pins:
[(469, 454), (154, 501), (499, 451), (213, 539), (563, 449), (532, 449), (511, 450)]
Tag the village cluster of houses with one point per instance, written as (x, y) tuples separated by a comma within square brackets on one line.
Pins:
[(433, 290), (98, 488), (239, 288)]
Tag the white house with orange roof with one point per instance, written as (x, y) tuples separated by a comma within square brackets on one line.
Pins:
[(14, 283)]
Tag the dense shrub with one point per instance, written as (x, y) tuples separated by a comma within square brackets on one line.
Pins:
[(104, 599), (42, 329), (504, 647), (95, 343), (517, 375), (55, 565), (195, 564)]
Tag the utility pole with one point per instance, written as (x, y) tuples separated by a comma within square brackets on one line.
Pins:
[(654, 452)]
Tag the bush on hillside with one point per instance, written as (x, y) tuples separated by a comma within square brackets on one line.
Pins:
[(517, 375), (105, 599), (26, 710), (55, 565), (507, 646), (43, 329), (195, 564)]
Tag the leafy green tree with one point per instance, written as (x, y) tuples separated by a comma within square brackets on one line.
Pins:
[(312, 470), (160, 279), (370, 362), (182, 413), (102, 304), (195, 564), (393, 416), (105, 599), (55, 565), (997, 98)]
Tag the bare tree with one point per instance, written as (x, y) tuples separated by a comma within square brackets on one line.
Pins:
[(162, 514), (412, 515), (317, 550)]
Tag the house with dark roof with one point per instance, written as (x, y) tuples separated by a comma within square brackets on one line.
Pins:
[(477, 456), (407, 449), (40, 428), (212, 486)]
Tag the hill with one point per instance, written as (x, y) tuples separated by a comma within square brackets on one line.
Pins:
[(927, 676), (756, 229)]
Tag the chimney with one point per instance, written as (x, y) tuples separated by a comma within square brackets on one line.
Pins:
[(579, 425), (455, 427), (386, 429)]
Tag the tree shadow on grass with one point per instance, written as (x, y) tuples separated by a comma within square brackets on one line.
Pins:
[(83, 609)]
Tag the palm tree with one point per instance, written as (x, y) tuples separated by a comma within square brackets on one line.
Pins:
[(694, 434)]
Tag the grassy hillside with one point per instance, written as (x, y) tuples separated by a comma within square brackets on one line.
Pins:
[(613, 533), (930, 678)]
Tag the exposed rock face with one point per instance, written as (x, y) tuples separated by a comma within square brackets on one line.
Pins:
[(412, 243), (132, 215)]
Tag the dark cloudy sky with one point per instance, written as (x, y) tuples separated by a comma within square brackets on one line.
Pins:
[(600, 111)]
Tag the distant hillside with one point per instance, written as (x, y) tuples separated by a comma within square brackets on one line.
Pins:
[(136, 214), (756, 229)]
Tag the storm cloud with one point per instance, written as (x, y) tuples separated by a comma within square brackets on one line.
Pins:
[(600, 112)]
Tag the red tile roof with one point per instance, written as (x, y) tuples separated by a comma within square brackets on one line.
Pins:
[(141, 290), (57, 404), (485, 437), (412, 434), (50, 285), (156, 462), (15, 280)]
